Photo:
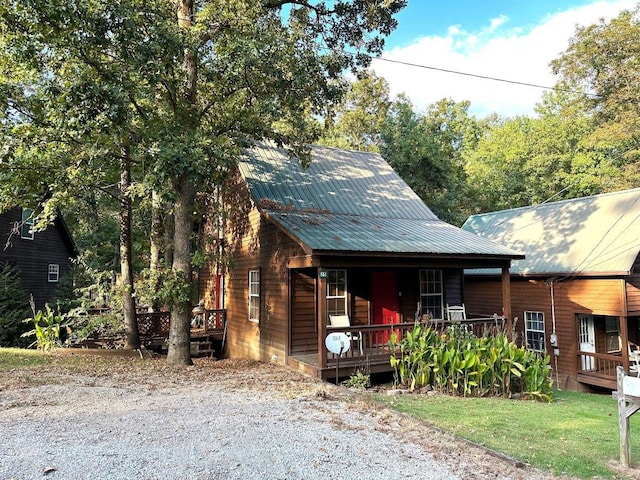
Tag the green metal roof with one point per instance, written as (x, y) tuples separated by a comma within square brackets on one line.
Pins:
[(585, 236), (349, 201)]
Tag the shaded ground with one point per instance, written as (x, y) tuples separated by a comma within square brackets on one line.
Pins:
[(239, 411)]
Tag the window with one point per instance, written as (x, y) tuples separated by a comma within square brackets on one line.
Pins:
[(254, 295), (431, 293), (534, 330), (54, 272), (336, 292), (612, 332), (26, 225)]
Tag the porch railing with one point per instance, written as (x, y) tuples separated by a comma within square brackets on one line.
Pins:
[(369, 342), (599, 365), (157, 324), (478, 326)]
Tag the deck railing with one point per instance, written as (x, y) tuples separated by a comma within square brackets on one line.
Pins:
[(599, 365), (157, 324), (371, 342)]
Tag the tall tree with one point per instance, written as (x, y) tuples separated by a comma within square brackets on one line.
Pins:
[(427, 151), (603, 61), (523, 161), (184, 84), (357, 121)]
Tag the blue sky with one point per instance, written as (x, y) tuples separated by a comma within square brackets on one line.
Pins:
[(510, 39)]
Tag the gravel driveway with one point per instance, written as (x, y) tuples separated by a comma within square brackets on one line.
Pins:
[(127, 419)]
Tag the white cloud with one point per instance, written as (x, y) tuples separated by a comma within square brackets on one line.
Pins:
[(498, 50)]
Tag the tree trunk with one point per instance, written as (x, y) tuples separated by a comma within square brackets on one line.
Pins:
[(132, 340), (155, 249), (179, 333)]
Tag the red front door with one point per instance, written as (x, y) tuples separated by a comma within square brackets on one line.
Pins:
[(384, 300)]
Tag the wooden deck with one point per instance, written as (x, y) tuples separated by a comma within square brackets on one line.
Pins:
[(208, 331), (370, 351), (598, 369), (372, 361)]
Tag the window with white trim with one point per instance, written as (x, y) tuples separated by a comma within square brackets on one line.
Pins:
[(336, 292), (534, 330), (26, 224), (54, 272), (254, 296), (431, 298)]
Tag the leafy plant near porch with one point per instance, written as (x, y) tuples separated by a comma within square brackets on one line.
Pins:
[(455, 362), (46, 329)]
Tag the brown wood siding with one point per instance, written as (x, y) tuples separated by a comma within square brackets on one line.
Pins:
[(359, 286), (633, 289), (254, 243), (453, 280), (571, 297), (304, 326), (32, 257), (409, 290)]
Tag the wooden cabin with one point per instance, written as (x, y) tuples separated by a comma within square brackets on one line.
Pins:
[(345, 237), (43, 258), (577, 293)]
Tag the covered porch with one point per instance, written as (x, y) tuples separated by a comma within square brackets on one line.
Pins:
[(370, 350), (604, 343), (376, 298)]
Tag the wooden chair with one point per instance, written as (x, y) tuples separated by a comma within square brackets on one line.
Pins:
[(456, 313), (341, 321), (634, 358)]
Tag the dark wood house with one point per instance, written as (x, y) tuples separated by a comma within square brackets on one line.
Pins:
[(344, 237), (577, 293), (43, 258)]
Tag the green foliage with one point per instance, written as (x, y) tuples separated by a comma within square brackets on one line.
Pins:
[(358, 381), (14, 307), (426, 150), (102, 326), (164, 287), (178, 89), (575, 436), (455, 362), (46, 328), (360, 116)]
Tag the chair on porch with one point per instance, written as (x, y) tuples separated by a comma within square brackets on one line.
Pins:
[(456, 313), (338, 321), (634, 358)]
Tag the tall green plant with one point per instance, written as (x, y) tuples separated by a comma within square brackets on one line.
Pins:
[(456, 362), (46, 328)]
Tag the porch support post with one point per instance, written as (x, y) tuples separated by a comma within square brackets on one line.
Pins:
[(506, 298), (322, 318), (624, 327)]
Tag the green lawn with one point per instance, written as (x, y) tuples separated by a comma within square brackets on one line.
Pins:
[(11, 358), (576, 434)]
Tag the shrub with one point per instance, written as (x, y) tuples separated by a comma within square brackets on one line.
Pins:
[(14, 307), (358, 381), (455, 362), (107, 327)]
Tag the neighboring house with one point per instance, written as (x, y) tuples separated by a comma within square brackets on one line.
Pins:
[(577, 293), (344, 237), (43, 258)]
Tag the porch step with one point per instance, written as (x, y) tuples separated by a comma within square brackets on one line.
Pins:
[(201, 348)]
